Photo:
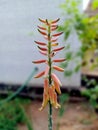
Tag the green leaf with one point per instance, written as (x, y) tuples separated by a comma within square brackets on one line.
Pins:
[(95, 4), (68, 73), (63, 99), (77, 68)]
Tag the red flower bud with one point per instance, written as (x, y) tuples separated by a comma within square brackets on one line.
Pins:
[(42, 48), (41, 20), (43, 53), (40, 74), (54, 28), (40, 43), (55, 21), (55, 79), (43, 33), (39, 61), (42, 28), (59, 60), (54, 40), (58, 49), (58, 68), (57, 34)]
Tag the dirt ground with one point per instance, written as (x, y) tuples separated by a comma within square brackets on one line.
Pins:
[(78, 116)]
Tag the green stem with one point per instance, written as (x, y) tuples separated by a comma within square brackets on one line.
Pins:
[(50, 81), (50, 116)]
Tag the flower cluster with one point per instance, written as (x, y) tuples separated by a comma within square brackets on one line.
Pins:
[(51, 82)]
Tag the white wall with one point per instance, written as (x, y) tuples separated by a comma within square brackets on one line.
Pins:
[(18, 19)]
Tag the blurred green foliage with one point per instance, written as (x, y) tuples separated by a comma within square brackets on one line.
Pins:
[(86, 29), (95, 4), (12, 113), (63, 100), (92, 94)]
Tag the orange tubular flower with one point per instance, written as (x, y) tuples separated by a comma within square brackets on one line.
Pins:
[(59, 60), (54, 28), (42, 49), (43, 33), (56, 105), (41, 20), (39, 61), (55, 21), (58, 49), (54, 40), (58, 68), (51, 82), (40, 43), (51, 95), (54, 44), (46, 71), (45, 101), (42, 28), (57, 87), (57, 34), (40, 74), (55, 79), (43, 53), (46, 85)]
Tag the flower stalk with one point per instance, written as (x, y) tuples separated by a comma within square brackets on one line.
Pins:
[(51, 82)]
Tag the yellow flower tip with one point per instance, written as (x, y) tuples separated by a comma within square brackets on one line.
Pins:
[(58, 105), (54, 44), (41, 108)]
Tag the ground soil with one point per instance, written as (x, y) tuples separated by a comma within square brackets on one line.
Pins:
[(77, 116)]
